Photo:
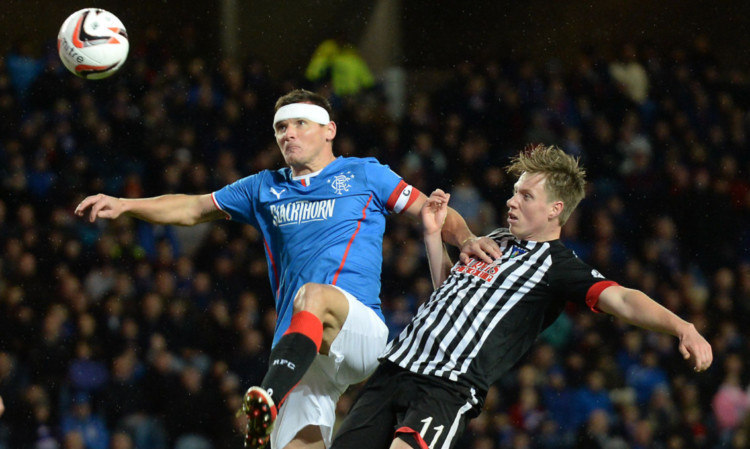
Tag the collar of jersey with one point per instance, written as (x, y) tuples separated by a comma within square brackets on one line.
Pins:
[(306, 178)]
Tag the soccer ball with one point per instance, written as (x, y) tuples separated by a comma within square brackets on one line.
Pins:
[(93, 43)]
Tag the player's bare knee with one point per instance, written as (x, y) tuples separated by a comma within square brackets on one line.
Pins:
[(311, 298)]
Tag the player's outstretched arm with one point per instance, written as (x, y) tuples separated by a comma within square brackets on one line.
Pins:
[(178, 209), (639, 309), (457, 233), (433, 215)]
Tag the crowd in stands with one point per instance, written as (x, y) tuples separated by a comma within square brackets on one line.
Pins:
[(126, 335)]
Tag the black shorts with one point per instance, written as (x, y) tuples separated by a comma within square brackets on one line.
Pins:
[(421, 410)]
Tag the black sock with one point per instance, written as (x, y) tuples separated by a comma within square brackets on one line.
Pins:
[(293, 355), (290, 359)]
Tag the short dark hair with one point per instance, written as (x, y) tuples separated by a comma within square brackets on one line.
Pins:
[(304, 96)]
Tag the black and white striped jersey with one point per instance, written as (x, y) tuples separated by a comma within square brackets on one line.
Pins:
[(484, 317)]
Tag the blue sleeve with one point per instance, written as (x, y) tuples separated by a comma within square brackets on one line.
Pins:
[(239, 199), (385, 184)]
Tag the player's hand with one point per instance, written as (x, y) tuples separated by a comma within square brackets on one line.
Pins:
[(696, 349), (481, 248), (102, 206), (434, 211), (2, 406)]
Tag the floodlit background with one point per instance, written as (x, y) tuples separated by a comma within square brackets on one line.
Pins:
[(123, 335)]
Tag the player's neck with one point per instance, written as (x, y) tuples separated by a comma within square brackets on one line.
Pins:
[(546, 235), (312, 166)]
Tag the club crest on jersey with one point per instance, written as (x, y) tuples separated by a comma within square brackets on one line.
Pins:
[(341, 183), (517, 251)]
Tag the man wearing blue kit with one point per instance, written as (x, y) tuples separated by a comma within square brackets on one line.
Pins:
[(322, 220)]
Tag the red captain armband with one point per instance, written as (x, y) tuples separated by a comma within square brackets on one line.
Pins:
[(592, 296), (402, 197)]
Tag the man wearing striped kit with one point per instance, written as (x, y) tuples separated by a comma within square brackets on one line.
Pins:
[(484, 316)]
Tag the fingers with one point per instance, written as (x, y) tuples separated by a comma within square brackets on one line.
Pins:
[(684, 351), (96, 210), (484, 256), (439, 197), (491, 247), (704, 361), (100, 207), (474, 250), (85, 204), (701, 355)]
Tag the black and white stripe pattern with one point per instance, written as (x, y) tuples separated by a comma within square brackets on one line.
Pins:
[(449, 331)]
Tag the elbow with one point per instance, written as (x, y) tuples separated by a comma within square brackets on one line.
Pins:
[(189, 220)]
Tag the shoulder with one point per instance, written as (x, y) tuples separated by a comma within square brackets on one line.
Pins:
[(256, 180), (271, 176), (567, 261), (366, 162), (371, 171), (562, 252), (265, 174)]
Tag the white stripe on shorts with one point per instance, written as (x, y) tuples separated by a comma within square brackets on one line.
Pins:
[(454, 427)]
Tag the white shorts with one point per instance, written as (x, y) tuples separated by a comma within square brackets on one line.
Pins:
[(352, 358)]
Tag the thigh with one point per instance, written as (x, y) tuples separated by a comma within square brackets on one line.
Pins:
[(436, 417), (371, 421), (354, 353)]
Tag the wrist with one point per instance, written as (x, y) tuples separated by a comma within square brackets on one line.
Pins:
[(430, 232), (466, 240)]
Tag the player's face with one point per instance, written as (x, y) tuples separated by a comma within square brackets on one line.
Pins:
[(303, 142), (530, 215)]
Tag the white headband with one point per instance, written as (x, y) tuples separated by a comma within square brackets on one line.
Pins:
[(311, 112)]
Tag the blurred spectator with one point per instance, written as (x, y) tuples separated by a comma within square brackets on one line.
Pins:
[(73, 440), (23, 67), (121, 440), (593, 395), (86, 373), (732, 401), (631, 74), (645, 377), (82, 419), (337, 61), (558, 399), (596, 433), (424, 161)]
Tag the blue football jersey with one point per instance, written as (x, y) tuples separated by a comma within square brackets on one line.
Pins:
[(327, 228)]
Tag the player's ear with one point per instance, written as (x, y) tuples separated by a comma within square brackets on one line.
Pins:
[(555, 209), (330, 131)]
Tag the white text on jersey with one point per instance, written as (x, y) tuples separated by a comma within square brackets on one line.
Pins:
[(302, 212)]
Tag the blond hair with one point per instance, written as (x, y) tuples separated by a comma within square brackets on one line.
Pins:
[(565, 180)]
